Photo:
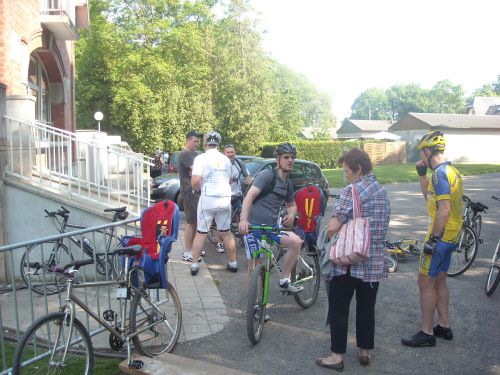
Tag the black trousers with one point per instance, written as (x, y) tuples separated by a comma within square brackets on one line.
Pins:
[(340, 294)]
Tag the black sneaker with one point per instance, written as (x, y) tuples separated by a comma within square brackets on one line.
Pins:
[(420, 339), (444, 333), (231, 268), (194, 270)]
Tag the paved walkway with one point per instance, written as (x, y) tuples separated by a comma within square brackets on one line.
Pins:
[(203, 310)]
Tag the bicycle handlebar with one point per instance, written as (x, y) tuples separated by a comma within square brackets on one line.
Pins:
[(63, 212), (476, 206), (269, 228)]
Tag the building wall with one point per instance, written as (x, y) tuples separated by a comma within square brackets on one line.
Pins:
[(462, 145), (21, 34)]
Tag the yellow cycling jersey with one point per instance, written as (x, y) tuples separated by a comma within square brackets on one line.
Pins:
[(446, 184)]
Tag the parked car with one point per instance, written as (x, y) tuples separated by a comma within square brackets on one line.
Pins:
[(304, 173)]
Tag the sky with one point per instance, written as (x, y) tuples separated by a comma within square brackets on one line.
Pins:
[(347, 46)]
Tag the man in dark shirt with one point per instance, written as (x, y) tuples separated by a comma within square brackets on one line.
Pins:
[(264, 209), (188, 197)]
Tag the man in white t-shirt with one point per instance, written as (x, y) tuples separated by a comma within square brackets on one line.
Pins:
[(212, 176)]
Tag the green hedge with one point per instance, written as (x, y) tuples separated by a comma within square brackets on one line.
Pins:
[(324, 153)]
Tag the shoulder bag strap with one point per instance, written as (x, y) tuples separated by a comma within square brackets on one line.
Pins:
[(356, 208)]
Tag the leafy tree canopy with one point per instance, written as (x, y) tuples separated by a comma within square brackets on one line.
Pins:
[(159, 68)]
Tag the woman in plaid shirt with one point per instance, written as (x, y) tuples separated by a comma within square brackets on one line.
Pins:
[(362, 278)]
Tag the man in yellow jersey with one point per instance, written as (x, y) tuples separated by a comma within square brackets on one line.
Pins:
[(443, 193)]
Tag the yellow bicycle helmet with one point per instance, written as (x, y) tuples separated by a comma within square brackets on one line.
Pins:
[(434, 140)]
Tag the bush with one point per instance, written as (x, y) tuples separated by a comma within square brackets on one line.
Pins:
[(324, 153)]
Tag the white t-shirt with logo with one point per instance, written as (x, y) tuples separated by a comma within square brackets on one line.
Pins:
[(215, 170)]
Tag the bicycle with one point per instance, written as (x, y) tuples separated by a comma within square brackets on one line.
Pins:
[(305, 274), (60, 342), (462, 258), (472, 217), (493, 278), (39, 261), (401, 250)]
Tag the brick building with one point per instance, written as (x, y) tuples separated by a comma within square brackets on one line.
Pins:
[(37, 58)]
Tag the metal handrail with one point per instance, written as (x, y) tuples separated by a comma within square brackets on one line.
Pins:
[(20, 306), (48, 156)]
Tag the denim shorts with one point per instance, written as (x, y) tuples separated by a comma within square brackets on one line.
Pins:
[(251, 244)]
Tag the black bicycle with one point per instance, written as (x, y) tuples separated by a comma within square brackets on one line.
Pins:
[(472, 215), (40, 261)]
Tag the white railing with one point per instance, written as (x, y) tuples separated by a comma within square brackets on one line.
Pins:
[(89, 169)]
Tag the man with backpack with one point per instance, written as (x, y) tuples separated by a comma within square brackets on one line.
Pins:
[(238, 169), (262, 204)]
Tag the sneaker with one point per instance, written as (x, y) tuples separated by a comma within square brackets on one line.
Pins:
[(232, 268), (187, 256), (220, 247), (290, 288), (267, 317), (419, 340), (444, 333), (203, 253), (194, 270)]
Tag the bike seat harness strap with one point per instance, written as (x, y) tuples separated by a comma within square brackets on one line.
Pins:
[(129, 250)]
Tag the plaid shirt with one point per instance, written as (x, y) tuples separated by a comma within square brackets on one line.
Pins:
[(375, 204)]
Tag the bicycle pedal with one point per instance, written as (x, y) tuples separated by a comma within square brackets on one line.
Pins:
[(136, 363), (108, 315)]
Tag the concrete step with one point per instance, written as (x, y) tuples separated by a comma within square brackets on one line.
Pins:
[(172, 364)]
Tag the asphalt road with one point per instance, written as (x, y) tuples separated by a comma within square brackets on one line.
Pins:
[(295, 337)]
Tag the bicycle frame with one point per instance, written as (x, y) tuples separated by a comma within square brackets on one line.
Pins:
[(270, 258), (122, 332)]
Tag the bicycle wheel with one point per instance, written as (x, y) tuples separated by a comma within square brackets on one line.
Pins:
[(306, 274), (463, 257), (36, 264), (256, 310), (157, 313), (494, 274), (212, 233), (392, 264), (477, 225), (46, 340)]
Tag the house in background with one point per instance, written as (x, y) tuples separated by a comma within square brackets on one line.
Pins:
[(308, 133), (365, 129), (468, 138), (484, 105)]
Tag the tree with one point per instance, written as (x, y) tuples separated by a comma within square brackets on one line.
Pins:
[(159, 68), (404, 99), (372, 104), (445, 97)]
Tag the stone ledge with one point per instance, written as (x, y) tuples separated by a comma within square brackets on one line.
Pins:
[(172, 364)]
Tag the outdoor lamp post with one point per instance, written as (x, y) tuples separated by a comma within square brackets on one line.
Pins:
[(98, 117)]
